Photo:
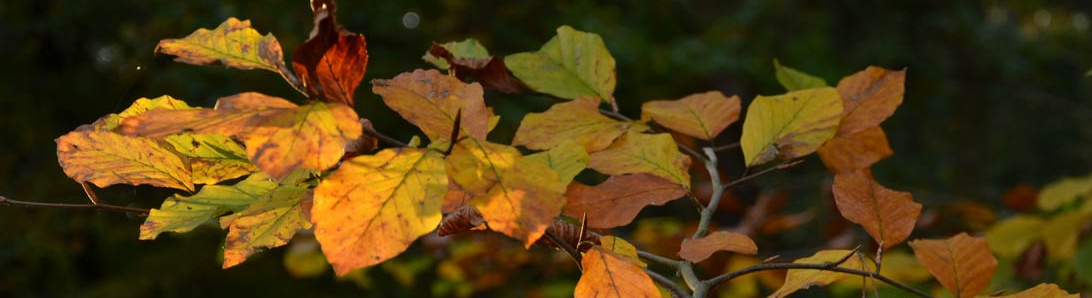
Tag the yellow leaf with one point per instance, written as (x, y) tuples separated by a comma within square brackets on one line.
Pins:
[(141, 105), (793, 79), (697, 250), (962, 264), (578, 121), (213, 158), (476, 165), (790, 125), (700, 115), (268, 222), (1064, 191), (887, 215), (1060, 235), (234, 44), (634, 153), (1011, 236), (181, 214), (374, 206), (798, 279), (609, 274), (1043, 290), (106, 158), (431, 100), (621, 247), (572, 64), (745, 285), (567, 159), (898, 265)]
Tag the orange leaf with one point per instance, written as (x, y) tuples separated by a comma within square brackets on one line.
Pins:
[(107, 158), (234, 44), (374, 206), (697, 250), (634, 153), (887, 215), (963, 264), (1043, 290), (869, 97), (332, 61), (431, 100), (798, 279), (578, 120), (700, 115), (855, 151), (617, 201), (608, 274)]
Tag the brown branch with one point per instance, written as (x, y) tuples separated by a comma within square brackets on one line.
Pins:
[(783, 165), (671, 286), (99, 206), (726, 147), (556, 239), (389, 140)]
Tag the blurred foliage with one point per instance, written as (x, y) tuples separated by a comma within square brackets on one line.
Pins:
[(996, 96)]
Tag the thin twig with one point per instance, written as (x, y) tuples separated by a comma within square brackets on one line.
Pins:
[(658, 259), (783, 165), (556, 239), (100, 206), (829, 266), (726, 147), (667, 283), (384, 138)]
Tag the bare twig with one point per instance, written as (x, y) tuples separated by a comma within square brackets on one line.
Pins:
[(828, 266), (389, 140), (667, 283), (783, 165), (726, 147), (99, 206), (556, 239), (658, 259)]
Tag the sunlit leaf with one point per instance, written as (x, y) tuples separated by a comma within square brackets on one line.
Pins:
[(475, 166), (869, 97), (608, 274), (1043, 290), (567, 159), (212, 158), (332, 61), (578, 121), (798, 279), (141, 105), (268, 222), (374, 206), (1010, 237), (470, 59), (855, 151), (617, 201), (635, 153), (234, 44), (697, 250), (887, 215), (571, 65), (1064, 191), (107, 158), (181, 214), (790, 125), (1061, 233), (962, 264), (793, 79), (700, 115), (431, 100)]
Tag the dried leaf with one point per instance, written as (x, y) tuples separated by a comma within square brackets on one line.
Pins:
[(463, 219), (332, 62), (431, 101), (798, 279), (869, 97), (700, 115), (887, 215), (268, 222), (617, 201), (571, 65), (233, 44), (962, 264), (790, 125), (571, 234), (567, 159), (470, 59), (1010, 237), (697, 250), (578, 121), (106, 158), (635, 153), (181, 214), (793, 79), (609, 274), (1043, 290), (1064, 191), (374, 206), (855, 151)]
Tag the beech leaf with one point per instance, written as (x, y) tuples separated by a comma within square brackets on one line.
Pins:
[(887, 215), (578, 121), (107, 158), (332, 62), (233, 44), (798, 279), (271, 221), (212, 158), (855, 151), (470, 59), (617, 201), (869, 97), (1043, 290), (700, 115), (567, 159), (962, 264), (634, 153), (697, 250), (141, 105), (181, 214), (1010, 237), (431, 101), (571, 65), (374, 206), (609, 274), (790, 125), (793, 79), (622, 247), (1065, 191)]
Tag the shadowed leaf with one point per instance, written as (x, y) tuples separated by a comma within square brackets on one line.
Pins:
[(106, 158), (697, 250), (793, 79), (571, 65), (617, 201), (700, 115), (855, 151), (887, 215), (798, 279), (635, 153), (431, 101), (269, 222), (332, 62), (609, 274), (578, 121), (622, 247), (962, 264), (869, 97), (470, 59), (1061, 234), (790, 125), (1064, 191)]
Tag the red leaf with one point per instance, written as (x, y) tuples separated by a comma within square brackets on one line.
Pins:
[(332, 62)]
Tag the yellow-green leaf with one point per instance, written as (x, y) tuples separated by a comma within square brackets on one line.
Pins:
[(790, 125), (1064, 191), (700, 115), (571, 65), (107, 158), (567, 159), (622, 247), (213, 158), (181, 214), (476, 165), (1060, 234), (793, 79), (1011, 236), (233, 44), (374, 206), (634, 153), (578, 121), (141, 105), (269, 222), (609, 274), (431, 100), (798, 279)]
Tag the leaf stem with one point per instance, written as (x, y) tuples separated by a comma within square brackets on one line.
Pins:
[(99, 206)]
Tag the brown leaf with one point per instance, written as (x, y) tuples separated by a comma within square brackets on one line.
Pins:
[(887, 215), (1020, 198), (697, 250), (617, 201), (490, 71), (609, 274), (571, 234), (855, 151), (869, 97), (431, 101), (700, 115), (332, 62), (463, 219), (962, 264)]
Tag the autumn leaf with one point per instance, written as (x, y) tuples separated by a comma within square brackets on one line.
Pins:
[(622, 247), (141, 105), (609, 274), (268, 222), (869, 97), (1061, 234), (700, 115), (697, 250), (279, 136), (107, 158), (431, 101), (617, 201), (1043, 290), (332, 62), (1064, 191), (212, 158), (567, 159), (475, 166), (1010, 237), (635, 153), (793, 79), (887, 215), (578, 121), (962, 264), (571, 65), (181, 214), (855, 151), (790, 125), (374, 206), (470, 59), (798, 279), (233, 44)]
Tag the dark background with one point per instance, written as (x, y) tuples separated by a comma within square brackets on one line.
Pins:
[(996, 96)]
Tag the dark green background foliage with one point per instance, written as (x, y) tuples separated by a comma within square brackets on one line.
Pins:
[(996, 95)]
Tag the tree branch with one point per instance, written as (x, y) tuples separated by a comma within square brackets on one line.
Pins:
[(389, 140), (667, 283), (830, 266), (556, 239), (658, 259), (99, 206), (783, 165)]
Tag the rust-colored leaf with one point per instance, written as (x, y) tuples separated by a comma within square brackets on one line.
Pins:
[(617, 201), (107, 158), (869, 97), (332, 62), (697, 250), (962, 264), (470, 59), (431, 101), (887, 215), (609, 274), (1043, 290), (798, 279), (268, 222), (855, 151), (700, 115), (234, 44), (634, 153), (578, 120)]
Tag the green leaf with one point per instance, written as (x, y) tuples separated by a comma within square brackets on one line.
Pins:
[(467, 50), (791, 125), (182, 214), (633, 153), (793, 79), (1083, 261), (573, 64), (270, 221)]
